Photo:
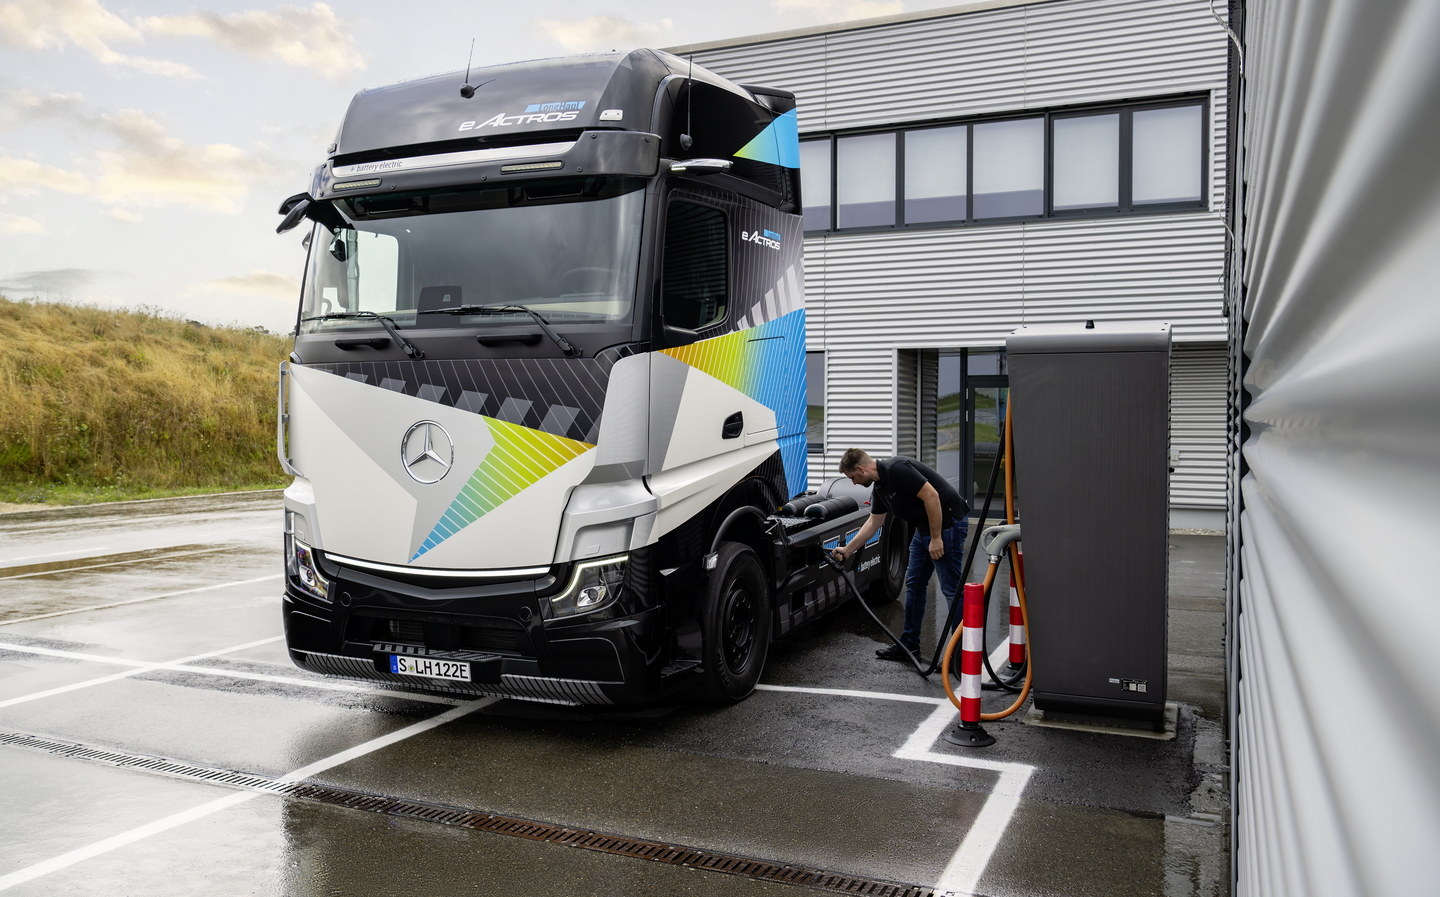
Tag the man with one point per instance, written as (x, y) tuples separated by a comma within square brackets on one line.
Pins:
[(915, 493)]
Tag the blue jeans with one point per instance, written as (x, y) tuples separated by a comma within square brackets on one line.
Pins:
[(917, 576)]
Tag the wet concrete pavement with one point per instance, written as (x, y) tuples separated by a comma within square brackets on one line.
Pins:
[(155, 724)]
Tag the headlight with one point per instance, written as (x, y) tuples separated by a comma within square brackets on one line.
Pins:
[(593, 585), (304, 570)]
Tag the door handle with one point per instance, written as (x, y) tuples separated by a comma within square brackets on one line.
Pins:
[(734, 426)]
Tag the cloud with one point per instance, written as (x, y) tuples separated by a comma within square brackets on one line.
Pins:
[(19, 224), (311, 38), (19, 107), (62, 281), (151, 168), (605, 32), (57, 24), (144, 165), (25, 176), (258, 283), (843, 10), (126, 215)]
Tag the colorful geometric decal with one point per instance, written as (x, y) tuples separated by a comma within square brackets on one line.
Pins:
[(795, 456), (520, 458), (762, 362), (778, 144)]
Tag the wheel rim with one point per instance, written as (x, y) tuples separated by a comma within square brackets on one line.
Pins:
[(739, 626)]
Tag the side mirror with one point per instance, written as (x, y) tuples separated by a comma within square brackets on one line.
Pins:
[(293, 208)]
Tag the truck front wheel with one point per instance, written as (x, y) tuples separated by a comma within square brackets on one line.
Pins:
[(894, 559), (735, 623)]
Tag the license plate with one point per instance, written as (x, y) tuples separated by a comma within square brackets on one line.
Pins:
[(430, 668)]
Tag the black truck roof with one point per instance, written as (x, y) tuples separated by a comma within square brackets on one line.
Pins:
[(525, 118), (615, 91)]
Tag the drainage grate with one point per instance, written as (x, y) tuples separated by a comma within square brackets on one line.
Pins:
[(618, 845)]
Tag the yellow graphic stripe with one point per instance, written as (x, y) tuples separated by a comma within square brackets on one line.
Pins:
[(520, 458)]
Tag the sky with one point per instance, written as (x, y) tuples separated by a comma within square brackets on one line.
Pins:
[(145, 145)]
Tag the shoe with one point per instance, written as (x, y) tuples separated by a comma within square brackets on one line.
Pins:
[(895, 652)]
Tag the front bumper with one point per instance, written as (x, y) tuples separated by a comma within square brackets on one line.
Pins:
[(496, 627)]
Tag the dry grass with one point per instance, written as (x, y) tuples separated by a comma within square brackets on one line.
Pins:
[(125, 404)]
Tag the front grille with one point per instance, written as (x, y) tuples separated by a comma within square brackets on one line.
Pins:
[(490, 635), (407, 631), (496, 639)]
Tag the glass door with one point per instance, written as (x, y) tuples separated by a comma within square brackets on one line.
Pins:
[(985, 409), (950, 416), (986, 389), (962, 411)]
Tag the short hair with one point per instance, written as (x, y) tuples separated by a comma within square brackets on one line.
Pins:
[(853, 459)]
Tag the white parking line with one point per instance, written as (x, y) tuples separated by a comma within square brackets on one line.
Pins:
[(135, 671), (79, 855), (81, 610), (966, 866), (962, 874), (158, 557), (848, 693), (224, 673), (10, 562)]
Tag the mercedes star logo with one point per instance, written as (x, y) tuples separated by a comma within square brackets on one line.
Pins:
[(427, 452)]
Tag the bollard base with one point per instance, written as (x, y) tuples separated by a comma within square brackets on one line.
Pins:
[(976, 737)]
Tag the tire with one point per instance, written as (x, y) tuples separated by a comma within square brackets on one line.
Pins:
[(894, 560), (735, 623)]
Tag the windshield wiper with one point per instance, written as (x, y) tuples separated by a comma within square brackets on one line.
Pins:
[(385, 322), (565, 345)]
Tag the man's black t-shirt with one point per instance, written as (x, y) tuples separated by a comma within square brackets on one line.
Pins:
[(900, 480)]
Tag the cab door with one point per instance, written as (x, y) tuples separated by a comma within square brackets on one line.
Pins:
[(708, 427), (698, 407)]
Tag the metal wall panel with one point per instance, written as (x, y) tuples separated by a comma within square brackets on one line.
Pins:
[(972, 287), (868, 378), (872, 294), (987, 61), (1336, 730), (1198, 391)]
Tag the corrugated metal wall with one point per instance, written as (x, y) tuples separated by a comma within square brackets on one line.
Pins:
[(871, 295), (1198, 387), (1336, 589), (991, 61)]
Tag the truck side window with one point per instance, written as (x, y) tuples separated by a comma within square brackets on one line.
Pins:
[(696, 276)]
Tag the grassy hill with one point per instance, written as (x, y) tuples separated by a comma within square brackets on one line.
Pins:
[(98, 405)]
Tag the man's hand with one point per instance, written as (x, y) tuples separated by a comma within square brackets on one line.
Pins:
[(937, 548), (841, 553)]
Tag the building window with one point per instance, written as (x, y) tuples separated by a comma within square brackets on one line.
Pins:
[(1119, 159), (935, 169), (815, 183), (815, 402), (1010, 168), (1167, 166), (1086, 173), (865, 181)]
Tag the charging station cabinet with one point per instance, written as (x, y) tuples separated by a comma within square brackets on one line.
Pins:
[(1091, 445)]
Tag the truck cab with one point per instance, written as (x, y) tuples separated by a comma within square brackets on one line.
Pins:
[(547, 390)]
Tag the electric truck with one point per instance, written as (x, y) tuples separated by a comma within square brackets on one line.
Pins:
[(546, 408)]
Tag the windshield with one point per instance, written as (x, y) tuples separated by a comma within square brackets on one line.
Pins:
[(566, 250)]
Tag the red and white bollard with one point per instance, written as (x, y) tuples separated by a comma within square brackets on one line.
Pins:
[(969, 732), (1017, 617)]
